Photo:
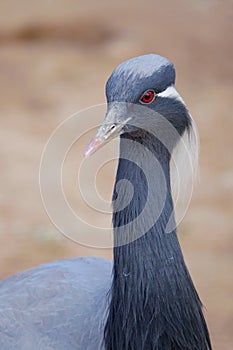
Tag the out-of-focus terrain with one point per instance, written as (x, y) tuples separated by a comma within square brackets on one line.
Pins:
[(55, 57)]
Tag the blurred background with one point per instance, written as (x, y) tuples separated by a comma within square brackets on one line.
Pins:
[(55, 57)]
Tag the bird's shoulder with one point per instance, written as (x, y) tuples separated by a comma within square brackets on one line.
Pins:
[(63, 299), (57, 275)]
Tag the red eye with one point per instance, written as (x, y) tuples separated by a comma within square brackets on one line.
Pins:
[(148, 96)]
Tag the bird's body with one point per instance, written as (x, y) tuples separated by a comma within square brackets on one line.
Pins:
[(59, 305), (149, 302)]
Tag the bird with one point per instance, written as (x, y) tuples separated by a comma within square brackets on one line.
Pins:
[(145, 299)]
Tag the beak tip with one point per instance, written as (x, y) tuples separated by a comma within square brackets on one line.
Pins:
[(87, 153), (93, 145)]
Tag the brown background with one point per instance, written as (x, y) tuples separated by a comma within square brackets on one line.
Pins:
[(55, 57)]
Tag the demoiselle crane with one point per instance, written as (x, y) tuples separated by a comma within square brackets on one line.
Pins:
[(145, 299)]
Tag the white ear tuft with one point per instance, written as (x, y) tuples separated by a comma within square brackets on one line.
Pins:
[(184, 170)]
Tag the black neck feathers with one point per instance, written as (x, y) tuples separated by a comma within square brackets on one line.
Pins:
[(153, 302)]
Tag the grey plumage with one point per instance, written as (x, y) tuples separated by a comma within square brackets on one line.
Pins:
[(60, 305), (134, 76)]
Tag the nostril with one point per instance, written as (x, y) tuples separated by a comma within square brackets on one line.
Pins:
[(112, 127)]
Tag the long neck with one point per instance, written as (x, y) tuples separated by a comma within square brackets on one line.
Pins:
[(154, 304)]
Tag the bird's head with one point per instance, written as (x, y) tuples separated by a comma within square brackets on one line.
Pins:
[(141, 96)]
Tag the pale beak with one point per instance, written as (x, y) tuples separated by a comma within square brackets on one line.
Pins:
[(106, 132)]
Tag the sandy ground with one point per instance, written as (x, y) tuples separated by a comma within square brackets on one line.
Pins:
[(55, 58)]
